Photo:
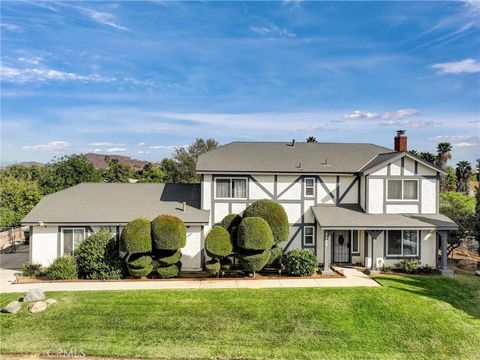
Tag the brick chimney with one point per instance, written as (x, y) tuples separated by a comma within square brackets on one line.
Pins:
[(401, 141)]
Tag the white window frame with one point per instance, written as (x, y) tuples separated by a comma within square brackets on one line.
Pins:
[(231, 183), (403, 197), (305, 186), (401, 245), (355, 252), (73, 244), (305, 235)]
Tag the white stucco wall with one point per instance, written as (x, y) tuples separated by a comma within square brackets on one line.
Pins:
[(375, 196), (352, 196), (192, 252), (323, 197), (402, 209), (44, 244), (429, 196)]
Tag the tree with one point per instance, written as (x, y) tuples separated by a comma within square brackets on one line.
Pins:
[(443, 155), (151, 174), (186, 159), (476, 222), (478, 170), (170, 170), (311, 139), (463, 172), (17, 198), (425, 156), (117, 171)]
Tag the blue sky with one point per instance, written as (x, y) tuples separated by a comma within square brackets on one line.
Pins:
[(140, 78)]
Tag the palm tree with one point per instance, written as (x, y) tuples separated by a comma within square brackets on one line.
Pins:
[(443, 155), (311, 139), (463, 171), (478, 171)]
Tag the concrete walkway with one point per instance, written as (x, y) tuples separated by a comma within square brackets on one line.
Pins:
[(352, 278)]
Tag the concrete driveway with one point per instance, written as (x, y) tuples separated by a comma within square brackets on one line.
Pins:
[(11, 264)]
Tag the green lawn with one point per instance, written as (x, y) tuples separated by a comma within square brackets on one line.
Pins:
[(409, 317)]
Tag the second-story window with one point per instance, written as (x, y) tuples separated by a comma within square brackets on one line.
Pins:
[(309, 186), (402, 190), (231, 188)]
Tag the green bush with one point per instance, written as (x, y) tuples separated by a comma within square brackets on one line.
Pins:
[(225, 264), (299, 262), (169, 271), (385, 268), (168, 233), (254, 234), (275, 257), (62, 268), (218, 243), (274, 214), (139, 262), (135, 237), (31, 269), (212, 267), (168, 257), (407, 265), (140, 273), (231, 223), (253, 261), (97, 257)]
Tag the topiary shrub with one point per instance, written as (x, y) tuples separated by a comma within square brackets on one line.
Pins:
[(231, 223), (135, 238), (97, 257), (218, 243), (32, 270), (139, 262), (62, 268), (275, 257), (142, 272), (213, 267), (253, 261), (299, 262), (226, 264), (254, 234), (274, 214), (168, 233), (169, 271), (168, 257)]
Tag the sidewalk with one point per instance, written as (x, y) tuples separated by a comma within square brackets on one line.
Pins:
[(352, 278)]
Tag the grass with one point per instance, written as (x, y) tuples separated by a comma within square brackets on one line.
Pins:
[(410, 317)]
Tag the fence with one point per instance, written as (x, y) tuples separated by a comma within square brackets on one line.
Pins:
[(12, 237)]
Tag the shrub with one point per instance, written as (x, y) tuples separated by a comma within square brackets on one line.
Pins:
[(254, 234), (140, 262), (168, 233), (254, 261), (31, 269), (299, 262), (407, 265), (218, 243), (169, 257), (231, 223), (225, 263), (386, 268), (63, 268), (213, 267), (143, 272), (97, 257), (169, 271), (274, 214), (275, 257), (135, 237), (427, 269)]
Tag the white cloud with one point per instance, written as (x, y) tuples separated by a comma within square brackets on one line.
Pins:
[(141, 144), (116, 150), (400, 114), (458, 67), (104, 144), (10, 27), (388, 117), (170, 147), (415, 124), (455, 138), (52, 145), (142, 152), (358, 114), (100, 17), (464, 145), (272, 30)]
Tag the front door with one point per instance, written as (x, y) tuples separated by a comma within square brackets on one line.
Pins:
[(341, 246)]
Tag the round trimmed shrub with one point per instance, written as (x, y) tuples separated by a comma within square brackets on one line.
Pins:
[(254, 234), (218, 242), (169, 257), (169, 271), (212, 267), (274, 214), (140, 273), (275, 257), (63, 268), (135, 238), (299, 262), (97, 258), (140, 262), (231, 223), (252, 261), (168, 233)]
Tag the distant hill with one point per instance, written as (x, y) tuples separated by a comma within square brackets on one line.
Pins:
[(98, 160)]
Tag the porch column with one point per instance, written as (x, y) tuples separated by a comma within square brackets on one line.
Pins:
[(374, 235), (327, 252), (444, 263)]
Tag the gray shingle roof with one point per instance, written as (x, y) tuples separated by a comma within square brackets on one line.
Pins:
[(118, 203), (282, 157), (348, 217)]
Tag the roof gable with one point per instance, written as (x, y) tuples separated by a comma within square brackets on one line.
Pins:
[(383, 160)]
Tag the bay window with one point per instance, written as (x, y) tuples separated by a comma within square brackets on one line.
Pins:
[(231, 188), (402, 243)]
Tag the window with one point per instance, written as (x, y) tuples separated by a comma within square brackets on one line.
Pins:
[(355, 243), (309, 186), (231, 188), (71, 239), (309, 235), (402, 190), (402, 243)]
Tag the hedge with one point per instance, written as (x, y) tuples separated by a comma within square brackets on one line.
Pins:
[(218, 243), (139, 273), (169, 257), (212, 267), (274, 214), (169, 271), (140, 262), (254, 234), (168, 233), (62, 268), (230, 223), (299, 262), (135, 238), (275, 257), (254, 261)]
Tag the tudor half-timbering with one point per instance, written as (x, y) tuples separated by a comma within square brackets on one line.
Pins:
[(348, 203)]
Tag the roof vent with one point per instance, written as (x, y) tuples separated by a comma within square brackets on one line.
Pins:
[(293, 143), (326, 163), (299, 166), (184, 206)]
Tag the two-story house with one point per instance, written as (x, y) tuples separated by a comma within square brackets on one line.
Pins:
[(349, 203)]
